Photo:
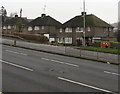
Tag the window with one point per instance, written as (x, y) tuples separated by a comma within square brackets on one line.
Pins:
[(68, 40), (42, 27), (68, 29), (60, 40), (4, 27), (36, 28), (78, 29), (9, 27), (60, 30), (29, 28), (110, 29), (88, 29), (51, 39)]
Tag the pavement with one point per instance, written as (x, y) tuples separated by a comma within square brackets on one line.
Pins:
[(32, 71)]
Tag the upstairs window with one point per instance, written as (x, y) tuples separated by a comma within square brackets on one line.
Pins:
[(36, 28), (9, 27), (78, 29), (42, 27), (30, 28), (68, 29), (60, 30), (4, 27), (110, 29), (89, 29)]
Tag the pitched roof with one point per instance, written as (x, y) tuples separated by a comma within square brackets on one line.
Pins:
[(15, 21), (45, 21), (91, 20)]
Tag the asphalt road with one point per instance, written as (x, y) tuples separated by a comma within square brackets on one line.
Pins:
[(32, 71)]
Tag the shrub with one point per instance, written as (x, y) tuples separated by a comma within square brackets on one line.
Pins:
[(33, 37)]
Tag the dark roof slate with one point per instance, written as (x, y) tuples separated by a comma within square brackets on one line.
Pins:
[(45, 21), (15, 21), (91, 21)]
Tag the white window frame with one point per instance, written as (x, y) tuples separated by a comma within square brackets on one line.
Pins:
[(4, 27), (9, 27), (36, 28), (60, 30), (60, 40), (69, 30), (30, 28), (110, 29), (42, 27), (78, 29), (68, 40), (88, 28)]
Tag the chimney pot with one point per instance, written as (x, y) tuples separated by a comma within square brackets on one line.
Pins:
[(83, 13), (16, 16), (43, 15)]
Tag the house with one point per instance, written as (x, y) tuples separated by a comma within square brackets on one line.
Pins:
[(44, 25), (14, 24), (72, 30)]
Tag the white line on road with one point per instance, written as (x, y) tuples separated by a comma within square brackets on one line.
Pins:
[(111, 73), (78, 83), (16, 52), (15, 65), (60, 62)]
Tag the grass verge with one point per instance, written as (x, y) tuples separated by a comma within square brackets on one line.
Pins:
[(61, 54)]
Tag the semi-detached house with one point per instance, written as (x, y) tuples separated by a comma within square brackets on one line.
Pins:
[(96, 29), (44, 25), (14, 24)]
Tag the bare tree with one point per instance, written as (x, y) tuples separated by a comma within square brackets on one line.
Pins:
[(3, 11)]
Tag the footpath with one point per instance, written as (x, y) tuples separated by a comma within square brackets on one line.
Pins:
[(67, 51)]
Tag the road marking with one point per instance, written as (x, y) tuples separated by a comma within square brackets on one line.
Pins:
[(15, 65), (60, 62), (111, 73), (78, 83), (16, 52)]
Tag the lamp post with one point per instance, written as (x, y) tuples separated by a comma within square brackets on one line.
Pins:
[(84, 23)]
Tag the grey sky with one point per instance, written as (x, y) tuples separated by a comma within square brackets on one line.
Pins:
[(63, 10)]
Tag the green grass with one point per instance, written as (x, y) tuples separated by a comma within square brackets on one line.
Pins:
[(98, 49), (106, 50)]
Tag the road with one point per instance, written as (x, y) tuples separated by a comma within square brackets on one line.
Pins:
[(33, 71)]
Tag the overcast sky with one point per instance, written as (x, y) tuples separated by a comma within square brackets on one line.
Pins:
[(63, 10)]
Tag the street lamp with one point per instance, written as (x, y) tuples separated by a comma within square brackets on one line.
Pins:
[(84, 41)]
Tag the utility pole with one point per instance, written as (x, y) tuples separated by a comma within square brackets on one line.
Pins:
[(84, 41)]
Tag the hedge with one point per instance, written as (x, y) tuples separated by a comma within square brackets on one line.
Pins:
[(33, 37)]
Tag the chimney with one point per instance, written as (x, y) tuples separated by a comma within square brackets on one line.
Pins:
[(82, 13), (43, 15)]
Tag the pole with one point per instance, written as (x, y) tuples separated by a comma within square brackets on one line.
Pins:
[(84, 23)]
